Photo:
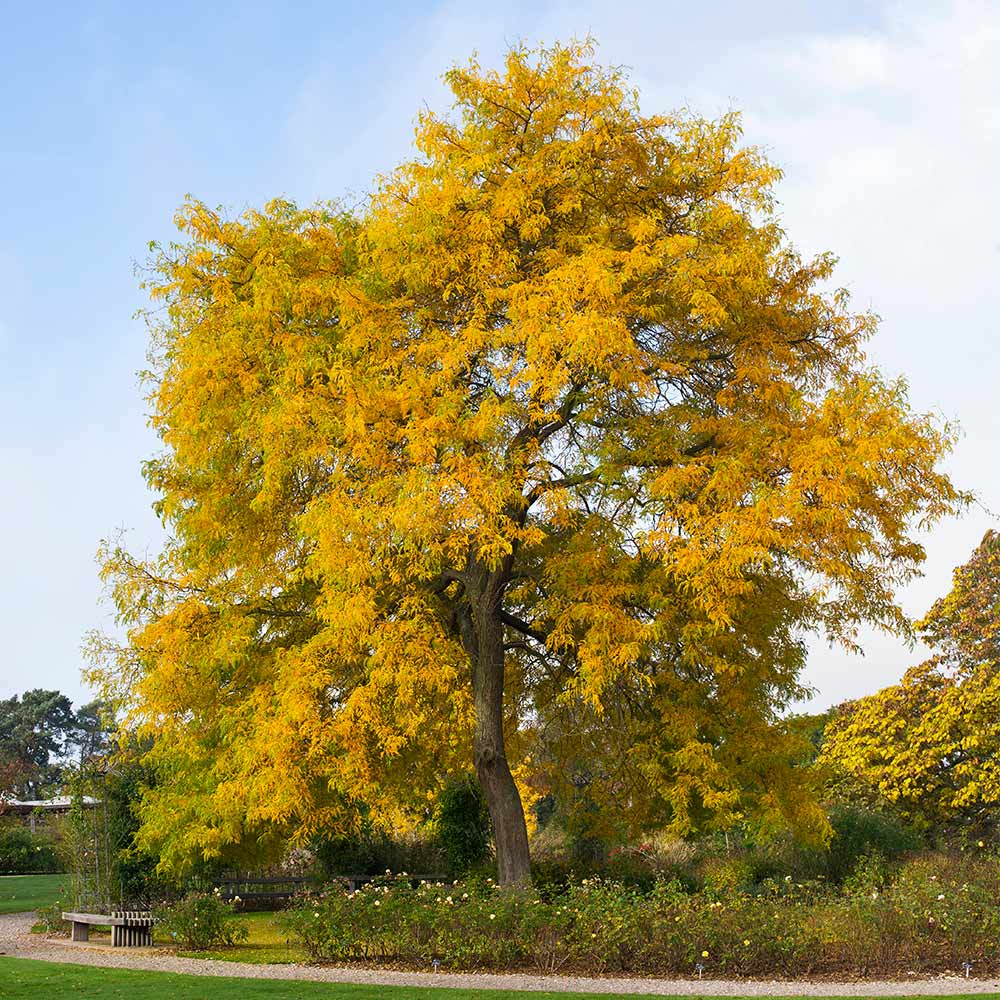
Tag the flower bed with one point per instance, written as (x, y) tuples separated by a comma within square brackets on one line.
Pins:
[(924, 920)]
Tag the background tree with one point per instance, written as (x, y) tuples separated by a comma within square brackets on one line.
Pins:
[(931, 743), (557, 447), (36, 730), (40, 733)]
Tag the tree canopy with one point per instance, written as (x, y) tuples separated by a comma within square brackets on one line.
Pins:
[(931, 743), (548, 458)]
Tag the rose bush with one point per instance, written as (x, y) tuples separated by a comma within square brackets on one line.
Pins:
[(201, 920)]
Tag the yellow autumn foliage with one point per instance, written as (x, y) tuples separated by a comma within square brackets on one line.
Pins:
[(931, 744), (547, 459)]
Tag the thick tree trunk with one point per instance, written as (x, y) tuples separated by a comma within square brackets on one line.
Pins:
[(484, 642)]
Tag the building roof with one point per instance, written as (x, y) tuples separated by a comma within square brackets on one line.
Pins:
[(61, 803)]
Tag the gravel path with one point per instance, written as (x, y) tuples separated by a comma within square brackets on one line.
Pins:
[(17, 941)]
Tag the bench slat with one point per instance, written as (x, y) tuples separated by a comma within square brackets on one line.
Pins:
[(88, 918), (107, 920)]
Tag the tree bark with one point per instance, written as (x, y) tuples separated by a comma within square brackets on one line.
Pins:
[(482, 635)]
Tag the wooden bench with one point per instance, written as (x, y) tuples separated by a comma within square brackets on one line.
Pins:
[(129, 928)]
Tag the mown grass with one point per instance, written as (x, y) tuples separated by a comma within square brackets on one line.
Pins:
[(20, 893), (26, 979)]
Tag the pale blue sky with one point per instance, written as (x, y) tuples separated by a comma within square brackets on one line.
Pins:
[(886, 119)]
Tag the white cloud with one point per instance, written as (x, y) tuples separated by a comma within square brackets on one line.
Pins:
[(892, 144), (843, 65)]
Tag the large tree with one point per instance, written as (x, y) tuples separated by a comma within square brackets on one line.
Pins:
[(553, 453), (931, 743)]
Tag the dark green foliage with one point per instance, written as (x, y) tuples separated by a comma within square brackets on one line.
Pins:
[(108, 868), (810, 729), (133, 870), (588, 849), (719, 864), (463, 825), (92, 731), (587, 832), (633, 869), (545, 809), (370, 852), (350, 855), (551, 877), (859, 832), (24, 853)]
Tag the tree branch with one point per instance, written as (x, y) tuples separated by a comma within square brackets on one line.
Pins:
[(512, 621)]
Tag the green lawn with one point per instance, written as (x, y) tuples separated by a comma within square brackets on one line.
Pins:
[(28, 892), (24, 979)]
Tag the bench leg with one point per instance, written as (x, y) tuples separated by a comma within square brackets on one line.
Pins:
[(80, 932)]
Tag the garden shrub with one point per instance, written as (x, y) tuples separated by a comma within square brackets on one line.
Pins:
[(870, 874), (551, 877), (724, 876), (347, 855), (25, 853), (781, 855), (50, 919), (858, 831), (201, 920)]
